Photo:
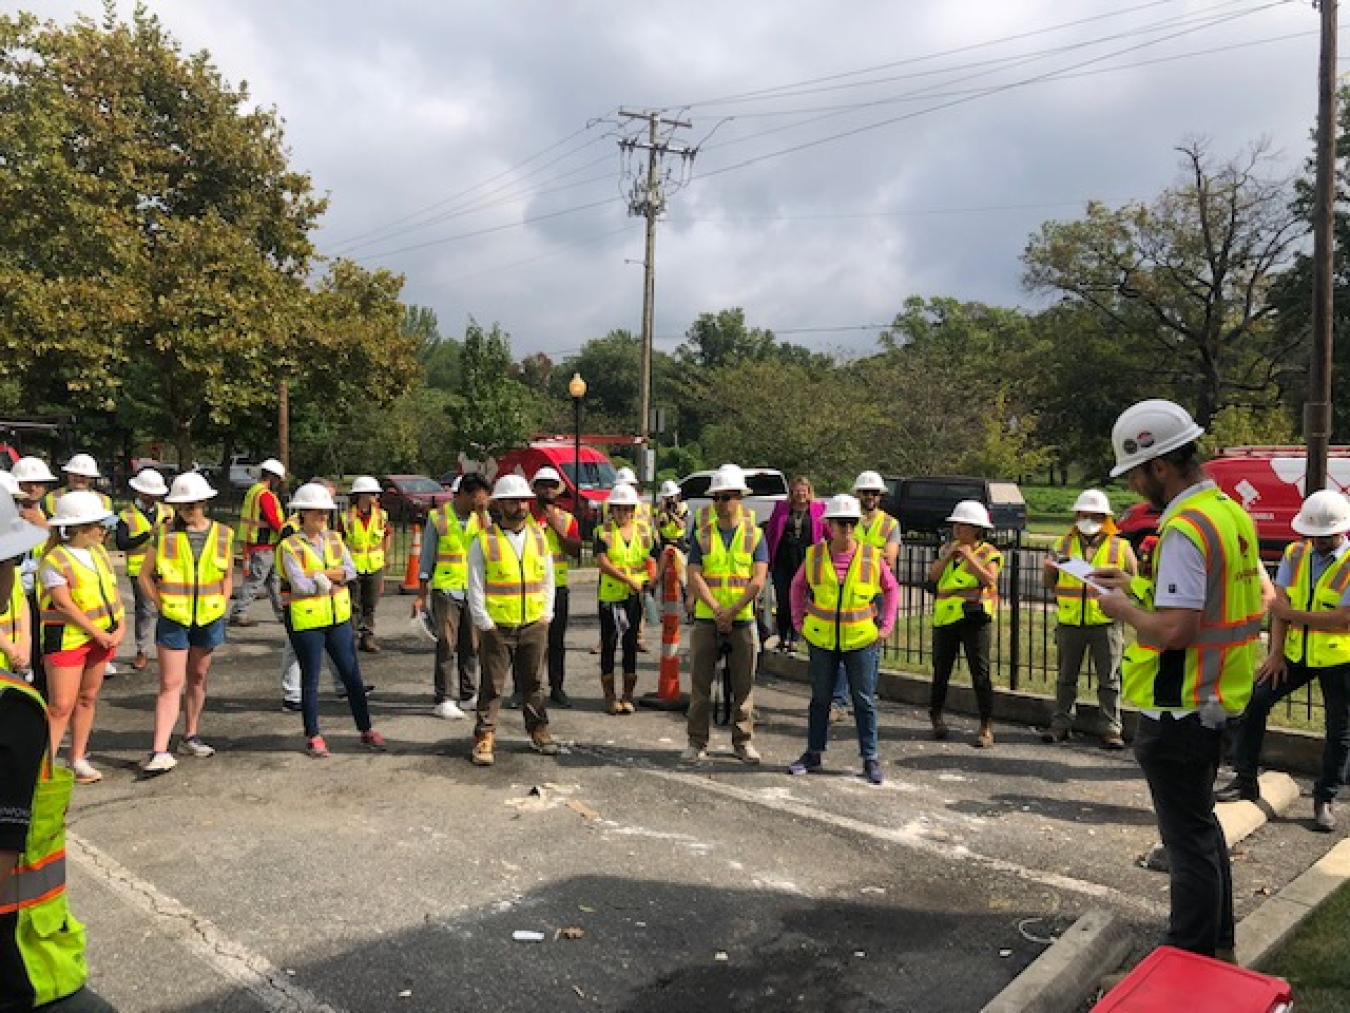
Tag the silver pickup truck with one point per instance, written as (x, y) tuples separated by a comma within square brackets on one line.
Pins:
[(767, 487)]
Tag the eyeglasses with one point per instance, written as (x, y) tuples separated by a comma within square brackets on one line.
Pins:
[(844, 522), (726, 497)]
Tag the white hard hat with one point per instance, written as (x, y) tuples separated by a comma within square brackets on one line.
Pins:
[(625, 475), (1092, 501), (728, 478), (844, 507), (190, 487), (79, 507), (546, 474), (17, 535), (512, 487), (82, 464), (365, 483), (312, 496), (9, 485), (669, 489), (454, 483), (149, 482), (273, 466), (1150, 429), (1324, 513), (869, 481), (623, 494), (971, 511), (32, 469)]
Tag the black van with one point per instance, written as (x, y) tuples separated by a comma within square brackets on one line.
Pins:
[(924, 504)]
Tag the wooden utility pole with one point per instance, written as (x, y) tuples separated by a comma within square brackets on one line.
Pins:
[(1317, 411), (648, 201), (284, 424)]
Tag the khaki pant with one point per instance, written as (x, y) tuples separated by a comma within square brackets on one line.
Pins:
[(705, 665), (456, 644), (1106, 644), (517, 653)]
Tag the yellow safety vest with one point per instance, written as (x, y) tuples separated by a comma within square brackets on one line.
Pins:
[(11, 620), (1324, 648), (877, 533), (841, 618), (555, 546), (1075, 606), (513, 586), (642, 513), (139, 524), (708, 514), (957, 579), (1220, 663), (452, 548), (192, 590), (671, 522), (365, 538), (628, 557), (727, 570), (94, 593), (49, 500), (49, 939), (253, 529), (315, 610)]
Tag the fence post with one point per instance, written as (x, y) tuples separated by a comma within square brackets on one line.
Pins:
[(1015, 601)]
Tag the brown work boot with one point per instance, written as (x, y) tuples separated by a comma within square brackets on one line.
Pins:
[(482, 750), (626, 705), (612, 705), (985, 738), (939, 726), (140, 662), (544, 742)]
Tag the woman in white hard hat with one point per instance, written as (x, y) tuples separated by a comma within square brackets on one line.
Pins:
[(188, 575), (316, 569), (33, 478), (137, 526), (365, 528), (622, 547), (82, 622), (966, 575), (16, 619), (833, 601)]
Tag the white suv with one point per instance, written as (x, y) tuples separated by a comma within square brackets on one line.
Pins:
[(767, 487)]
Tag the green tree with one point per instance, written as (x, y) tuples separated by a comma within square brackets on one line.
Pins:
[(493, 411)]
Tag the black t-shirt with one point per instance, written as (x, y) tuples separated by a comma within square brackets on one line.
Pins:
[(23, 741)]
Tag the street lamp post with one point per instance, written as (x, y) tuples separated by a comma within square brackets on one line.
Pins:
[(576, 387)]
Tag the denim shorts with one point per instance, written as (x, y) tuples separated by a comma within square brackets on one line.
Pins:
[(177, 637)]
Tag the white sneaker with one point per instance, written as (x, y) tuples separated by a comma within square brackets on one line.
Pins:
[(158, 763), (111, 669), (693, 754), (747, 753), (449, 710), (85, 772), (194, 746)]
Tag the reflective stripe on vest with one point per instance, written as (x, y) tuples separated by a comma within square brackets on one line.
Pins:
[(628, 557), (514, 586), (365, 538), (1324, 648), (555, 546), (1219, 664), (877, 533), (11, 620), (138, 523), (317, 609), (956, 583), (452, 548), (192, 590), (93, 592), (728, 569), (1074, 606), (841, 618)]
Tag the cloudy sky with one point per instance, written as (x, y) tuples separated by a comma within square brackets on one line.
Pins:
[(846, 155)]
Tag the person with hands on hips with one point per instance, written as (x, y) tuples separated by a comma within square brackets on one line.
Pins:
[(966, 577), (1309, 639), (82, 622)]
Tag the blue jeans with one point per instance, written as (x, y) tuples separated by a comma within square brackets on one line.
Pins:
[(860, 671), (340, 645)]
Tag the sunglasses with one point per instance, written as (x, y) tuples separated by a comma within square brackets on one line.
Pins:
[(726, 497), (844, 522)]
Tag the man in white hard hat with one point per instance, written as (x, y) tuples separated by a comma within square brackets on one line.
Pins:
[(137, 526), (365, 528), (511, 602), (81, 473), (1190, 672), (1309, 639), (1083, 627), (260, 522), (563, 534)]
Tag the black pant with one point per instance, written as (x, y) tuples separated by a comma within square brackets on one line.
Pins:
[(557, 634), (782, 597), (609, 634), (365, 599), (1180, 758), (977, 639)]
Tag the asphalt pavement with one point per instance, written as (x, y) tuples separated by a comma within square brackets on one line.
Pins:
[(262, 879)]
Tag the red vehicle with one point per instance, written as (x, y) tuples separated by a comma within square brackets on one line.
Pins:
[(596, 475), (411, 497)]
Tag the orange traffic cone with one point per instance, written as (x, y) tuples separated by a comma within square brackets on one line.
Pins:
[(668, 686), (410, 583)]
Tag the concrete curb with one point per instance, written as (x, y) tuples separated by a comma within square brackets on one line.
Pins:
[(1262, 932), (1053, 983)]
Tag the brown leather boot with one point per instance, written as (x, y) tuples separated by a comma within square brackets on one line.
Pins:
[(626, 705), (986, 737), (612, 705), (939, 726)]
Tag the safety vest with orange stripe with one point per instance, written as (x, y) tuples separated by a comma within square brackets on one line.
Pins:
[(48, 938), (139, 523), (1075, 606), (1324, 648), (316, 609), (958, 580), (11, 620), (452, 547), (555, 546), (627, 555), (365, 538), (878, 530), (728, 569), (514, 586), (253, 528), (841, 618), (192, 590), (1218, 665), (93, 592)]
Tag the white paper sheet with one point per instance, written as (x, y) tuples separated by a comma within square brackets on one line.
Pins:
[(1080, 568)]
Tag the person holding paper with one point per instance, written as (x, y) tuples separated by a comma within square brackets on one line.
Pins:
[(1083, 627)]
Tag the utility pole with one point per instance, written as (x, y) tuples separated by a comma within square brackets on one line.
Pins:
[(1317, 411), (648, 200)]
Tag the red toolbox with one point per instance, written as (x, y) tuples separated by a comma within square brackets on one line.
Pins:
[(1168, 980)]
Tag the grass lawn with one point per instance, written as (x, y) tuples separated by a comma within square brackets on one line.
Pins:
[(1316, 959)]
